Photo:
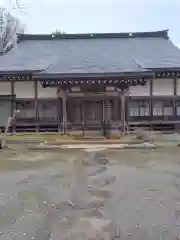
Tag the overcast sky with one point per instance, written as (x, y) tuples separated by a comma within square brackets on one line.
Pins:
[(77, 16)]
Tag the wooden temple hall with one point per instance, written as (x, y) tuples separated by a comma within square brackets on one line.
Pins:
[(68, 82)]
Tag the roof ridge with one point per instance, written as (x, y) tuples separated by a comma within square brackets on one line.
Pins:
[(139, 66), (155, 34)]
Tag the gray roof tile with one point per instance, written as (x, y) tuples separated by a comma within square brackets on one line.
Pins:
[(92, 55)]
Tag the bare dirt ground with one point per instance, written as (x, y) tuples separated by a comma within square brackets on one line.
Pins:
[(72, 194)]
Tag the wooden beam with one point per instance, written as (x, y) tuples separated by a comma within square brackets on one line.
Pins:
[(122, 83)]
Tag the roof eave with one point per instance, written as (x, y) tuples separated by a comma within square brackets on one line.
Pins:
[(44, 76), (19, 72), (165, 69)]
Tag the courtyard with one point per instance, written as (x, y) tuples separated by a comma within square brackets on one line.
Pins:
[(105, 194)]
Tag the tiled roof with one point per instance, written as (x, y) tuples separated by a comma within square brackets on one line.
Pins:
[(92, 53)]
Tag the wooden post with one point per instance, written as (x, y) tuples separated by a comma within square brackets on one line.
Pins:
[(151, 101), (175, 94), (63, 95), (127, 110), (36, 104), (64, 101), (13, 105), (123, 120), (103, 110), (59, 109), (82, 117), (115, 110), (103, 117)]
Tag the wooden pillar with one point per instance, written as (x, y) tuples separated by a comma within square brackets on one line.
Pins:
[(108, 109), (126, 97), (82, 112), (103, 110), (151, 101), (63, 95), (12, 99), (64, 105), (175, 86), (123, 120), (36, 104), (59, 109), (175, 94), (13, 105), (82, 117)]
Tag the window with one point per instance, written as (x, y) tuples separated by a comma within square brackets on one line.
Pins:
[(92, 111), (144, 109), (139, 108), (163, 108), (168, 108), (158, 108), (133, 109), (26, 108), (48, 109), (178, 108)]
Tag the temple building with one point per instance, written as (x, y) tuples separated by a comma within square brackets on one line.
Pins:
[(64, 82)]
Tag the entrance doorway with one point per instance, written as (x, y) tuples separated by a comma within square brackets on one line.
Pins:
[(93, 112)]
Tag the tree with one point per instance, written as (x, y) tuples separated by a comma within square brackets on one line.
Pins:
[(9, 27)]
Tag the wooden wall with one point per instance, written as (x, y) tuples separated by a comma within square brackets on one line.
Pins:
[(25, 90), (163, 87), (5, 88), (46, 92), (178, 86), (140, 90), (5, 104), (160, 87)]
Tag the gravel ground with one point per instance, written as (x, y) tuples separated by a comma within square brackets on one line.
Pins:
[(73, 194)]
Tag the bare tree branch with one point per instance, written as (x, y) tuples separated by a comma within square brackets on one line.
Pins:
[(18, 4), (9, 27)]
